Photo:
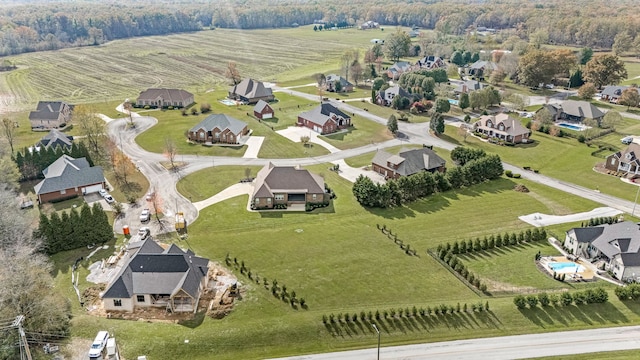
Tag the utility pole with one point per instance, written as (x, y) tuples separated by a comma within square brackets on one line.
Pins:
[(23, 339)]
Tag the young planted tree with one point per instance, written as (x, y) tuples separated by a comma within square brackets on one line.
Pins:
[(437, 123), (392, 124), (170, 151), (463, 103), (587, 91)]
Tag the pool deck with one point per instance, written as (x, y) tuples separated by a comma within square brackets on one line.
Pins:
[(586, 274)]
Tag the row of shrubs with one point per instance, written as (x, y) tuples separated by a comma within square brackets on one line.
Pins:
[(406, 247), (589, 296), (629, 292), (601, 220), (493, 241), (277, 291), (400, 313), (456, 265), (313, 206), (510, 174)]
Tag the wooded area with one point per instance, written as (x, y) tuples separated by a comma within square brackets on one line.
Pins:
[(41, 25)]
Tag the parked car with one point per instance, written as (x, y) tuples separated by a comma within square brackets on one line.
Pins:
[(109, 199), (145, 215), (627, 140), (144, 232), (103, 192), (150, 195)]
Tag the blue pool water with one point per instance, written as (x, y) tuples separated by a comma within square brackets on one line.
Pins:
[(453, 102), (566, 267), (572, 127), (228, 102)]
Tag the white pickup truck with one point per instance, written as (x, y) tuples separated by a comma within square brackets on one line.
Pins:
[(145, 215)]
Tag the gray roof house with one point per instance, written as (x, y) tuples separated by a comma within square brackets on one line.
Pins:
[(616, 245), (626, 160), (398, 69), (324, 119), (50, 115), (331, 80), (287, 186), (430, 62), (156, 277), (407, 162), (468, 86), (573, 110), (503, 127), (612, 93), (218, 128), (56, 138), (250, 91), (480, 68), (165, 98), (385, 97), (68, 177)]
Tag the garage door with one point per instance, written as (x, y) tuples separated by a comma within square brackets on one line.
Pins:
[(267, 116), (91, 189)]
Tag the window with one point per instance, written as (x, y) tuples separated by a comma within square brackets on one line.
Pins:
[(613, 161), (268, 200), (279, 196), (140, 298), (117, 302), (256, 201), (63, 191), (201, 135), (314, 196)]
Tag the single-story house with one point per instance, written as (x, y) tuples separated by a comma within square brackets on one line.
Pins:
[(612, 93), (171, 279), (276, 185), (573, 110), (162, 98), (430, 62), (480, 68), (324, 119), (468, 86), (369, 25), (250, 91), (397, 69), (627, 160), (385, 97), (617, 245), (50, 115), (56, 138), (331, 80), (68, 177), (218, 128), (503, 127), (263, 110), (407, 162)]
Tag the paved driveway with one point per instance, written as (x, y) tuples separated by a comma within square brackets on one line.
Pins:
[(294, 133), (254, 143), (232, 191), (539, 219)]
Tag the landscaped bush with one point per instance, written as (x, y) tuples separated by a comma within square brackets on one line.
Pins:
[(509, 173), (516, 176), (520, 301)]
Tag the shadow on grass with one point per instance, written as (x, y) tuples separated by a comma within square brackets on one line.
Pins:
[(448, 138), (587, 314), (196, 321), (342, 134)]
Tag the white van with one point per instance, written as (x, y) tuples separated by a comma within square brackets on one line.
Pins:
[(97, 348)]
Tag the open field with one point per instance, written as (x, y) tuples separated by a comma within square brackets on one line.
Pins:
[(205, 183)]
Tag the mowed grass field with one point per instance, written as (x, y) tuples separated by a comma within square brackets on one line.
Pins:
[(339, 262)]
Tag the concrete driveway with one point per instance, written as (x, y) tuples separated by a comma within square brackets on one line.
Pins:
[(294, 133), (539, 219), (228, 193), (254, 143)]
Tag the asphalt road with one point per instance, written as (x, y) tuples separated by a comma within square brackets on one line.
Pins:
[(501, 348)]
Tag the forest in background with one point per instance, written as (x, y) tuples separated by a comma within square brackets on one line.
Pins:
[(36, 25)]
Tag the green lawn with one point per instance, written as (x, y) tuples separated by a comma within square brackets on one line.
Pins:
[(208, 182), (613, 355), (363, 132), (386, 112)]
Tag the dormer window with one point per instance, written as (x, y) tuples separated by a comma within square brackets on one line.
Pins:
[(628, 156)]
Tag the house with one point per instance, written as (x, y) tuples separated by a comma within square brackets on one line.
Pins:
[(218, 128), (385, 97), (287, 185), (612, 93), (468, 86), (572, 110), (171, 279), (263, 110), (331, 81), (414, 33), (627, 160), (163, 98), (503, 127), (407, 162), (67, 178), (616, 246), (398, 69), (50, 115), (430, 62), (369, 25), (377, 41), (56, 138), (481, 68), (324, 119), (250, 91)]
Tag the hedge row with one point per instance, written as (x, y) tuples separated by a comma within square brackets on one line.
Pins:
[(493, 241), (406, 247), (589, 296), (456, 265)]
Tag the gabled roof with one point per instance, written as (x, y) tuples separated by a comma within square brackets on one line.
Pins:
[(400, 67), (429, 61), (322, 113), (250, 88), (512, 126), (468, 86), (621, 238), (56, 138), (260, 106), (410, 161), (396, 90), (586, 234), (285, 179), (331, 78), (66, 173), (484, 65), (222, 122), (583, 109), (169, 95), (630, 154), (48, 110), (614, 91), (153, 272)]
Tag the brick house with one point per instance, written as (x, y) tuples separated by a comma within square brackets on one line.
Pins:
[(50, 115), (407, 163), (218, 128), (503, 127), (263, 110), (162, 98), (324, 119), (68, 177), (287, 185), (250, 91), (626, 160)]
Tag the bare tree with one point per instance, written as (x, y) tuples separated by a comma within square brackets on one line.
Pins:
[(9, 131), (157, 206), (304, 139), (92, 128), (128, 107), (347, 60), (170, 152), (233, 73)]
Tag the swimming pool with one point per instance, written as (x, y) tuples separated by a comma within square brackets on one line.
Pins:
[(566, 267), (453, 102), (572, 127), (228, 102)]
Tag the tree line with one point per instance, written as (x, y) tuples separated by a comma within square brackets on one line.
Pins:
[(394, 192), (589, 296), (74, 229), (31, 163)]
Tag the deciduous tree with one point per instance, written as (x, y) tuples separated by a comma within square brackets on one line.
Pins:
[(536, 67), (587, 91), (463, 103), (437, 123), (630, 97), (392, 124), (397, 45), (233, 73), (623, 42), (604, 69), (9, 131), (170, 151), (92, 128)]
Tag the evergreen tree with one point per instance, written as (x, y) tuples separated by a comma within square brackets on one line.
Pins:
[(85, 234), (464, 101), (55, 241), (104, 231)]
